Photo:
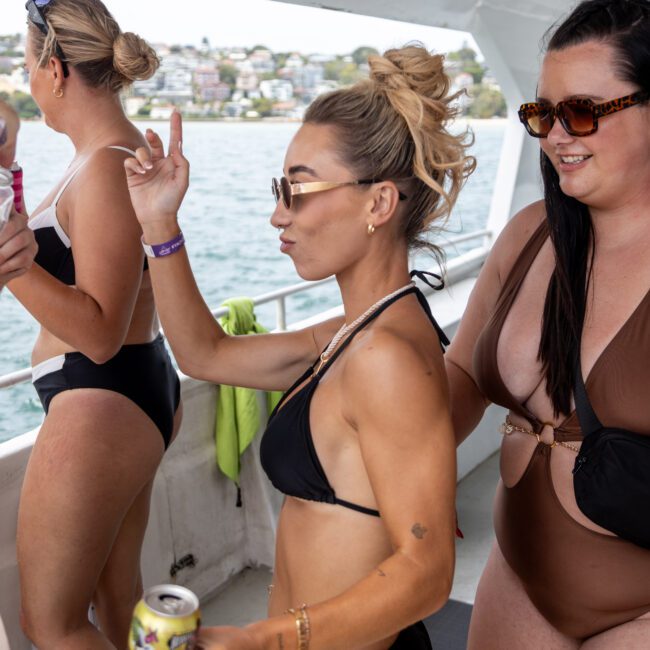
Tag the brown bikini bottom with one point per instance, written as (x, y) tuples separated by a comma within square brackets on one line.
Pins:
[(581, 581)]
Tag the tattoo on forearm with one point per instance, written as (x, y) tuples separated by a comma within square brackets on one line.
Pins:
[(419, 530), (280, 642), (381, 573)]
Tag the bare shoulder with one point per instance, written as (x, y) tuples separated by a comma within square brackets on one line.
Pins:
[(109, 159), (524, 223), (384, 363), (394, 391), (102, 182), (517, 232)]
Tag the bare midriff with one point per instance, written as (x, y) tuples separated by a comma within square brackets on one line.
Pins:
[(143, 328), (321, 551)]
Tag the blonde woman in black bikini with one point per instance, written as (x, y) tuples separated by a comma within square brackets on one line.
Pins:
[(99, 367), (555, 579), (362, 444)]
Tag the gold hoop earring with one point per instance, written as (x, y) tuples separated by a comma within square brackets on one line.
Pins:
[(371, 229), (57, 92)]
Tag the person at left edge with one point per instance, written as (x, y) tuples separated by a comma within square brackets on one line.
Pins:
[(17, 243), (100, 367)]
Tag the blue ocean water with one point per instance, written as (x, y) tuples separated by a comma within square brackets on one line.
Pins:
[(225, 218)]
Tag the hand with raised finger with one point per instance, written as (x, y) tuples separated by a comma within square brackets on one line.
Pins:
[(17, 248), (158, 182)]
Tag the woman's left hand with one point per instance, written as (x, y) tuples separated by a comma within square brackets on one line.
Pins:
[(226, 638)]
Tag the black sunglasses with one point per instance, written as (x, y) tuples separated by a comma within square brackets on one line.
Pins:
[(284, 189), (579, 117), (35, 10)]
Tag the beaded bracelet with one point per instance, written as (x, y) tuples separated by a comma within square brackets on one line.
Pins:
[(303, 626)]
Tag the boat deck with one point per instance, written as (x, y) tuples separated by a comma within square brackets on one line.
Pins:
[(243, 599)]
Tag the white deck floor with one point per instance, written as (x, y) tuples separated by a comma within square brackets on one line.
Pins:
[(243, 600)]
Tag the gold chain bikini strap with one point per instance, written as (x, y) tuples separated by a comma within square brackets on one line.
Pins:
[(508, 427)]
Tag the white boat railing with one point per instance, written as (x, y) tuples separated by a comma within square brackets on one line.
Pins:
[(279, 297)]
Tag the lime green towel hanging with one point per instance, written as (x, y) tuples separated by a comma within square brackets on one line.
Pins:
[(238, 416)]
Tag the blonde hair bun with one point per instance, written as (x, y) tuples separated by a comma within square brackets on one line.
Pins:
[(410, 68), (133, 57)]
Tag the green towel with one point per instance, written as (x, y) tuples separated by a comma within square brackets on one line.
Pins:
[(238, 417)]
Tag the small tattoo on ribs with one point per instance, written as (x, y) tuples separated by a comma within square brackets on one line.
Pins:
[(419, 531), (381, 573)]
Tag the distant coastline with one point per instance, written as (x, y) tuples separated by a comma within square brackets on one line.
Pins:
[(248, 84), (262, 120)]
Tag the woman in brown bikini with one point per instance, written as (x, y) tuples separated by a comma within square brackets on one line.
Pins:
[(555, 579)]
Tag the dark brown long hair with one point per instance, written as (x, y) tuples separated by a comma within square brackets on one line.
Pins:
[(625, 25)]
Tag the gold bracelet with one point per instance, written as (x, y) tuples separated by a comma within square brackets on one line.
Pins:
[(303, 626)]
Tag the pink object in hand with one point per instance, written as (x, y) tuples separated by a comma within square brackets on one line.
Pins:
[(17, 186)]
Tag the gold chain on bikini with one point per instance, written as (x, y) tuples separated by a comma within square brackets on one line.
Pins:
[(508, 427)]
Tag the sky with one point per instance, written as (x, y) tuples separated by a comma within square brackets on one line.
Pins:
[(279, 26)]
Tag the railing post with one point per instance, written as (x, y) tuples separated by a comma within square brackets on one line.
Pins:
[(281, 314)]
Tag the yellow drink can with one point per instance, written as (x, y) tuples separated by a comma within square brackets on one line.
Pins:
[(167, 618)]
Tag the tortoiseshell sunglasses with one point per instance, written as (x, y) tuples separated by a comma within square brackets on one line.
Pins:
[(284, 189), (579, 117)]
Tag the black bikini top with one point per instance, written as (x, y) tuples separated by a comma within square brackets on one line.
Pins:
[(54, 246), (287, 449)]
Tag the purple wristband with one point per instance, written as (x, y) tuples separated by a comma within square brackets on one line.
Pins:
[(167, 248)]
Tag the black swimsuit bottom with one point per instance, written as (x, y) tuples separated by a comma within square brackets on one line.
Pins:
[(414, 637), (143, 372)]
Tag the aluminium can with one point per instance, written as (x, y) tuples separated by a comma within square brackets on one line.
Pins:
[(167, 618), (17, 186)]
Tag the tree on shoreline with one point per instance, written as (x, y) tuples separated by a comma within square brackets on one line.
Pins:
[(361, 54), (228, 74), (466, 57), (22, 103), (486, 103)]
